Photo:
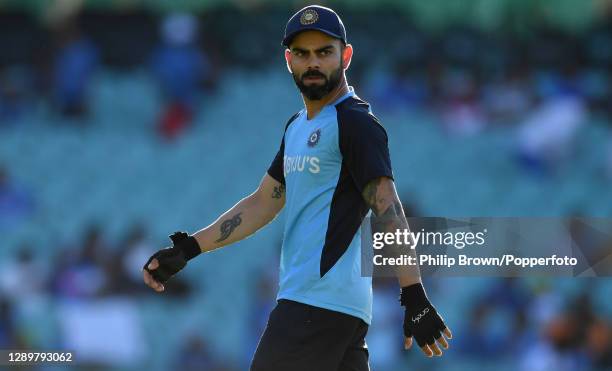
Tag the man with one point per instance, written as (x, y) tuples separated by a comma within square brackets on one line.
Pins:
[(333, 166)]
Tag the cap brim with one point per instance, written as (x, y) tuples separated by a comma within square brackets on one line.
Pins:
[(290, 37)]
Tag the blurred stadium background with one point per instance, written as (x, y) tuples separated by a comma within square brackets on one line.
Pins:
[(123, 121)]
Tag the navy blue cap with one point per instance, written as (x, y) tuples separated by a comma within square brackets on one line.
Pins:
[(314, 17)]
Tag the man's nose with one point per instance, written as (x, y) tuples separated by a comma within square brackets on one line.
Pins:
[(313, 62)]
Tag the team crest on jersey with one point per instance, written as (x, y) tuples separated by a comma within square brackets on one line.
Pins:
[(314, 137)]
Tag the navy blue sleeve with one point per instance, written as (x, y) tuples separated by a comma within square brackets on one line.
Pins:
[(364, 146), (276, 169)]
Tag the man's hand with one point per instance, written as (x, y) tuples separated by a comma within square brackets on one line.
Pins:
[(167, 262), (422, 322), (148, 278)]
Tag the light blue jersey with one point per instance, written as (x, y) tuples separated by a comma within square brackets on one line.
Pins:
[(325, 163)]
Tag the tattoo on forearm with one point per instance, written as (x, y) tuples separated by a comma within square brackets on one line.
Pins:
[(228, 226), (390, 219), (394, 209), (278, 191)]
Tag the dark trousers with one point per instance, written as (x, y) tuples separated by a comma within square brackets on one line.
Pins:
[(301, 337)]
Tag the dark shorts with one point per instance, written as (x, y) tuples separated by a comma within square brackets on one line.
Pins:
[(301, 337)]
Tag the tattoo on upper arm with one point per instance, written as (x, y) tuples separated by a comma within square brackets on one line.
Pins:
[(228, 226), (386, 206), (369, 193), (278, 191), (379, 204)]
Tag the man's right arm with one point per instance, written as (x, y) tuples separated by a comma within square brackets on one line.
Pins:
[(241, 221), (246, 217)]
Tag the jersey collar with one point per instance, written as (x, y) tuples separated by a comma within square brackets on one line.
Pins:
[(349, 93)]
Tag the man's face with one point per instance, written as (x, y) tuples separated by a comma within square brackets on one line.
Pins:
[(315, 60)]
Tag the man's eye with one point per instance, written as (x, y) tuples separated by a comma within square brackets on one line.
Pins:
[(325, 52)]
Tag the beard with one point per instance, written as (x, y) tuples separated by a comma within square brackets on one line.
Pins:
[(316, 91)]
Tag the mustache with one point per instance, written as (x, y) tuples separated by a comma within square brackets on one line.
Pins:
[(313, 73)]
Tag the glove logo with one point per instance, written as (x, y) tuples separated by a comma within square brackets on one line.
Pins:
[(418, 318)]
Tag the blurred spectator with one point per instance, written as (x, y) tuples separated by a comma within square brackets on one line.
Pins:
[(399, 87), (574, 338), (16, 202), (103, 332), (80, 272), (76, 59), (23, 277), (497, 323), (553, 349), (179, 67), (507, 100), (547, 135), (125, 266), (599, 344), (462, 113)]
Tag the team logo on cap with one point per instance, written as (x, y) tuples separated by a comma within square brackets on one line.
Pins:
[(313, 139), (309, 16)]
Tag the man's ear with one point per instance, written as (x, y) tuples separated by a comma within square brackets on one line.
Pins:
[(288, 60), (347, 55)]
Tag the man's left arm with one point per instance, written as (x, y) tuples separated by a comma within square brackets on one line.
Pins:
[(421, 319)]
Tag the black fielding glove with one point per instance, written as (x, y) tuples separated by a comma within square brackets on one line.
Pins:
[(173, 259), (421, 319)]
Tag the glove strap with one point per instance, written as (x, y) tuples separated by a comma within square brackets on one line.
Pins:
[(414, 296), (186, 243)]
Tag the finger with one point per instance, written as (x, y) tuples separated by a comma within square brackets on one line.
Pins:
[(435, 349), (153, 264), (158, 286), (447, 333), (150, 281), (426, 350), (407, 333), (442, 341), (407, 343), (146, 277)]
